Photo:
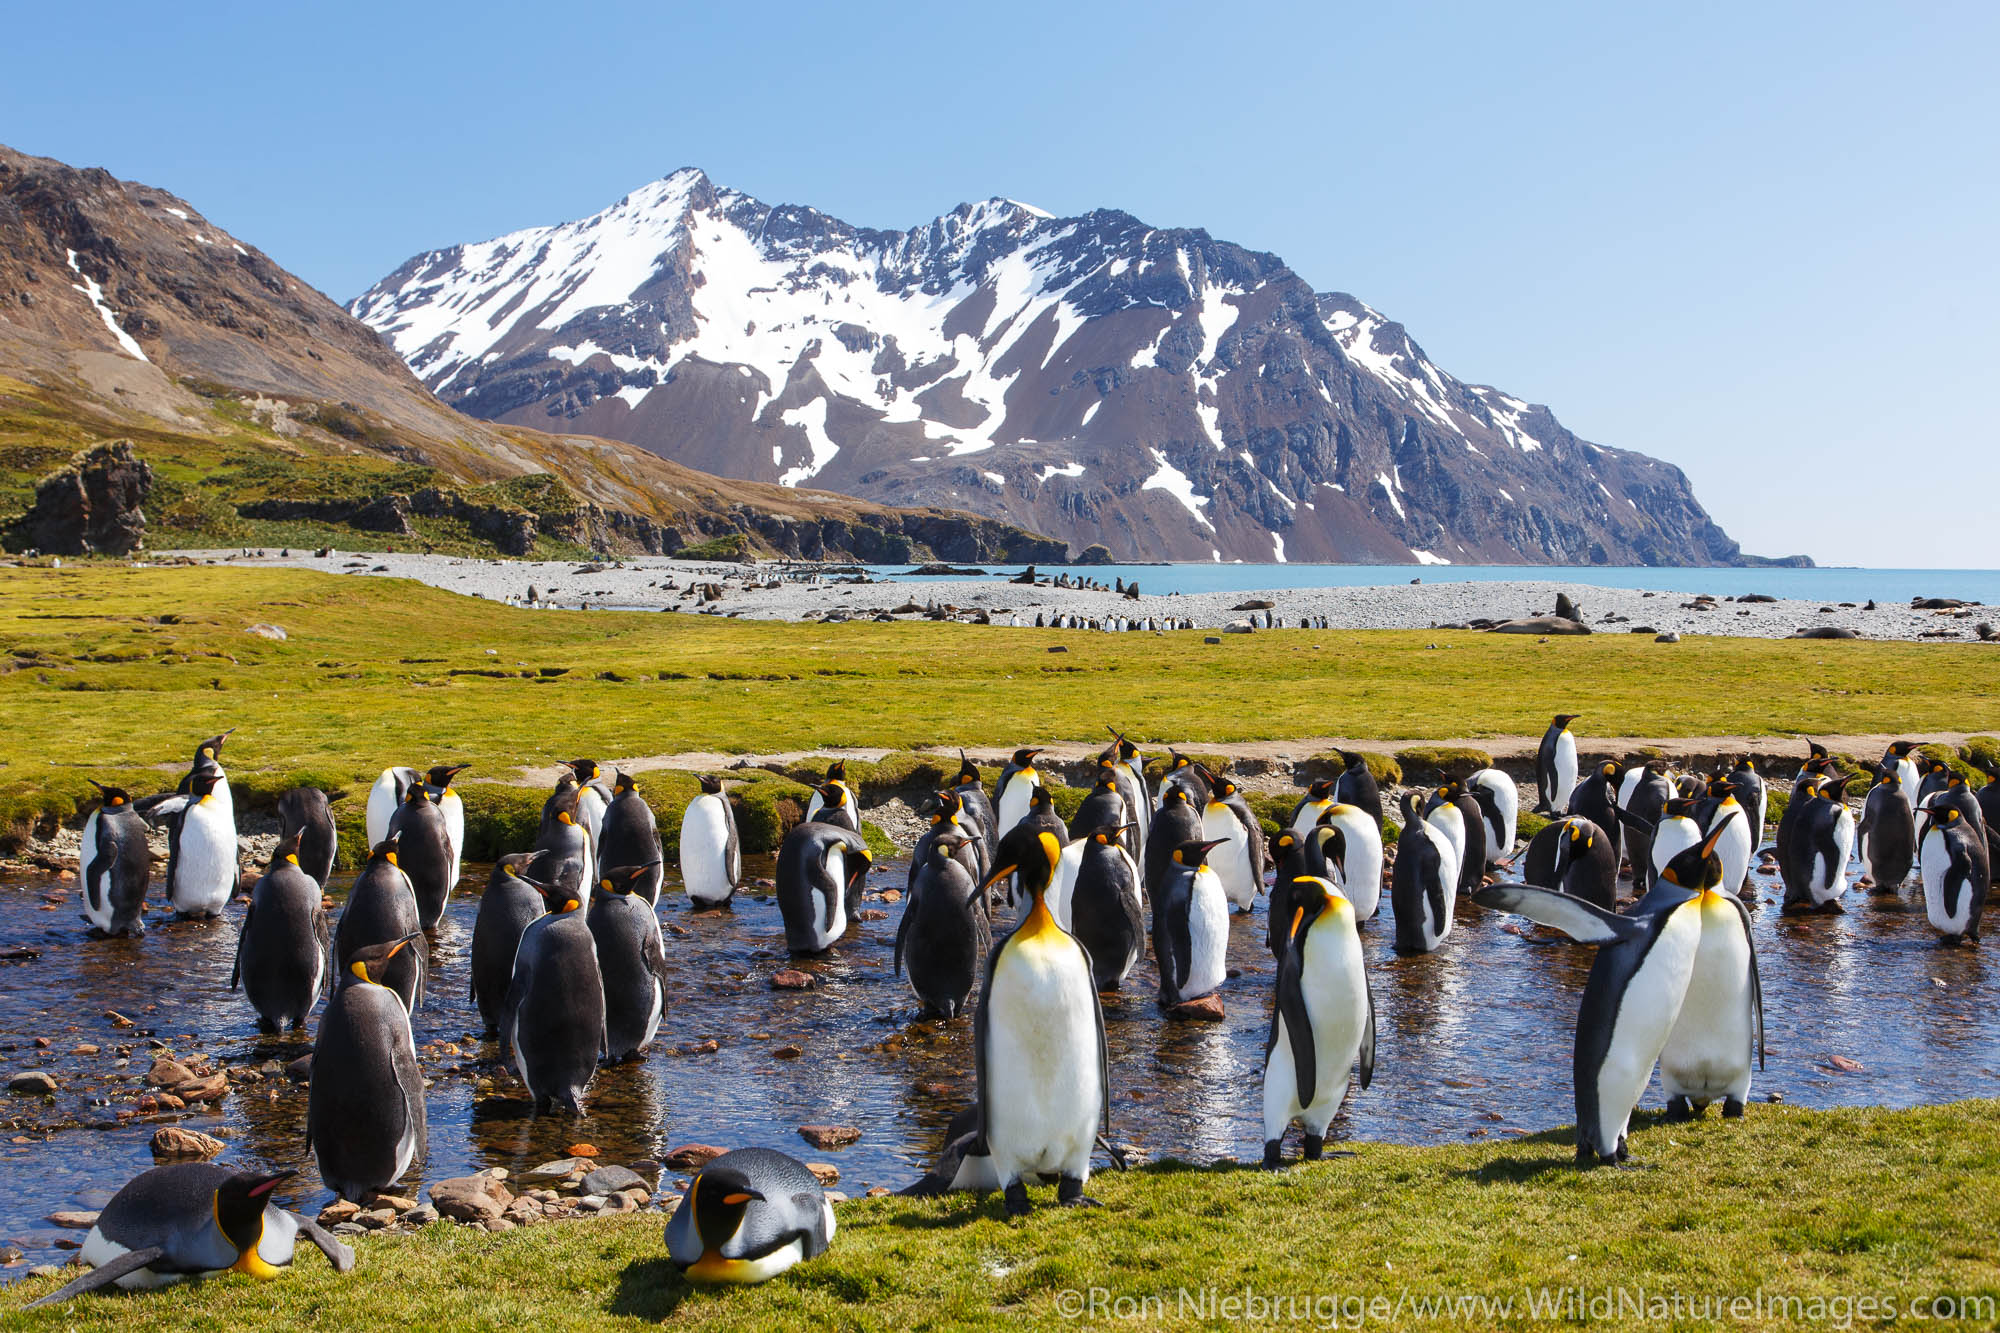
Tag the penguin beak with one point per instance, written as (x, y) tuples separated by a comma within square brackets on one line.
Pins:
[(998, 875), (265, 1184)]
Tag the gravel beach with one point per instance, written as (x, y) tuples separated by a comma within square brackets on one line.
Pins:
[(772, 591)]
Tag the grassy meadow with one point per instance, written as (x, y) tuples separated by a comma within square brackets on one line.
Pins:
[(1823, 1209)]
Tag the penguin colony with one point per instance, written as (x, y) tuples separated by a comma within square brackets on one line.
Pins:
[(568, 965)]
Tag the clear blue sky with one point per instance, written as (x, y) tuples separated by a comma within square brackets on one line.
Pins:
[(1754, 239)]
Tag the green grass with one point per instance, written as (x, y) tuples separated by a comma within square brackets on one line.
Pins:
[(1813, 1206)]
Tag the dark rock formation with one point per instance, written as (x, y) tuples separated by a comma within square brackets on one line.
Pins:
[(92, 506)]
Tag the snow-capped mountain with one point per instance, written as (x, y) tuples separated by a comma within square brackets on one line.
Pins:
[(1163, 393)]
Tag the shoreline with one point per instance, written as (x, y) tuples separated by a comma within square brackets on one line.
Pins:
[(804, 593)]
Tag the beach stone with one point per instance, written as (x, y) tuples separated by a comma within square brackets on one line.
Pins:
[(471, 1198), (395, 1203), (301, 1069), (497, 1224), (210, 1089), (826, 1173), (690, 1156), (173, 1141), (166, 1073), (10, 1255), (340, 1210), (32, 1082), (166, 1101), (376, 1218), (791, 978), (612, 1180), (1211, 639), (618, 1203), (829, 1136), (1205, 1009), (581, 1150), (75, 1220), (350, 1229), (562, 1166), (420, 1216)]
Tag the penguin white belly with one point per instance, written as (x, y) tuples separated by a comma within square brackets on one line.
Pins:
[(834, 912), (1674, 835), (1935, 859), (1646, 1013), (1062, 890), (1763, 812), (1708, 1053), (1734, 848), (1629, 784), (1830, 881), (1014, 801), (1906, 773), (280, 1237), (705, 850), (96, 888), (1308, 815), (454, 832), (1565, 758), (1231, 861), (382, 802), (1044, 1095), (206, 875), (1435, 931), (590, 813), (1448, 820), (1361, 868), (1138, 802), (1208, 935)]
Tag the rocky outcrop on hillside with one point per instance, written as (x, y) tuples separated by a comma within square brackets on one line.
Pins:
[(93, 506)]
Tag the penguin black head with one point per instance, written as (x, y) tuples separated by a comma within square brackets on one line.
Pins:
[(1039, 797), (1196, 853), (1126, 750), (239, 1212), (945, 845), (1026, 758), (212, 747), (1562, 720), (113, 796), (623, 880), (1034, 855), (1934, 816), (834, 795), (721, 1196), (1901, 749), (371, 964), (1743, 765), (418, 794), (287, 848), (1352, 760), (1609, 770), (1814, 750), (441, 775), (1889, 778), (1579, 840), (623, 783), (1449, 792), (710, 786), (1174, 796), (1106, 834), (1322, 791), (1680, 807), (1219, 788), (1332, 841), (385, 850), (565, 817), (1106, 780), (1699, 868), (585, 769), (1284, 842), (1310, 895), (563, 896), (203, 785), (949, 805), (1176, 761)]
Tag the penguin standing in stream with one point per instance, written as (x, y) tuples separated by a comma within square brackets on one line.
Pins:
[(1644, 799), (948, 819), (944, 932), (192, 1219), (1555, 766), (423, 851), (381, 908), (1322, 1020), (284, 948), (836, 807), (978, 816), (201, 849), (1183, 772), (1720, 1027), (1423, 889), (115, 865), (1011, 794), (1357, 786), (629, 835), (1190, 926), (593, 795), (1041, 817), (711, 852), (1471, 835), (1176, 821), (1637, 986), (821, 868), (1131, 767), (306, 811), (452, 807), (1105, 913), (1038, 1041), (1596, 799), (208, 760), (1814, 865), (554, 1021), (630, 959), (748, 1216), (565, 854), (1230, 823), (1573, 856), (1317, 801), (1721, 810), (385, 798), (509, 904), (1903, 755), (836, 776), (1887, 834), (1500, 807), (1957, 872), (365, 1118), (1104, 804), (1356, 859), (1756, 803)]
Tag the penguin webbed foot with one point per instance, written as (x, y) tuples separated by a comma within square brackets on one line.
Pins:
[(1069, 1194), (337, 1253), (1312, 1147), (1015, 1199), (1732, 1109), (1273, 1158), (1679, 1109)]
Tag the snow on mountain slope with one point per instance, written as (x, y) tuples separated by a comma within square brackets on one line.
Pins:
[(1158, 391)]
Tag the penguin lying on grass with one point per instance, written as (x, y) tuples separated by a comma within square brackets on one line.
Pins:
[(747, 1217), (193, 1219)]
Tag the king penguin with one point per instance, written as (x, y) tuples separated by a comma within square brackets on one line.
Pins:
[(307, 812), (1358, 862), (1555, 766), (944, 933), (630, 959), (201, 849), (836, 776), (1957, 872), (284, 948), (1907, 758), (452, 806), (979, 817), (1720, 1027), (1357, 785), (1572, 855), (836, 807), (1637, 985), (1105, 913), (1103, 804), (1423, 889), (365, 1118), (1814, 865), (593, 795), (1644, 798), (381, 908), (948, 819), (192, 1219), (821, 868), (1887, 834), (748, 1216), (1190, 926), (385, 798), (1176, 821), (1322, 1019), (629, 835), (1038, 1043), (711, 853), (1010, 800), (1501, 810), (1228, 821), (505, 909), (554, 1021), (565, 854), (1596, 799), (115, 865), (423, 851), (1131, 766)]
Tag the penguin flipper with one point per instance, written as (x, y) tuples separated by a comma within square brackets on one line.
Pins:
[(337, 1254), (732, 847), (323, 933), (1584, 922), (1368, 1037), (101, 1276), (1103, 1052), (242, 935), (1756, 984), (902, 932)]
